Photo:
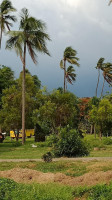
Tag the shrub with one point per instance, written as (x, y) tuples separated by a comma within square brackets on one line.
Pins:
[(70, 144), (51, 139), (47, 157), (107, 141)]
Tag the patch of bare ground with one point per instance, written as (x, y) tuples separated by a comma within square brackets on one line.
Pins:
[(29, 176)]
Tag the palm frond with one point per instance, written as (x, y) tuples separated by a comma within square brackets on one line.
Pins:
[(61, 64), (110, 2)]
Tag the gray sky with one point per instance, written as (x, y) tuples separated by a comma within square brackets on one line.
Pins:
[(86, 25)]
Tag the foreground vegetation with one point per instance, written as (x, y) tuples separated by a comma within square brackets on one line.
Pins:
[(11, 190)]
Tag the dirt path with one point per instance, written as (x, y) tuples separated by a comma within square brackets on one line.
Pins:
[(59, 159)]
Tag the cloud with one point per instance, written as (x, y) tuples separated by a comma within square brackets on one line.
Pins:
[(86, 25)]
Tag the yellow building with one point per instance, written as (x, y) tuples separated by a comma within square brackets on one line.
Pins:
[(28, 132)]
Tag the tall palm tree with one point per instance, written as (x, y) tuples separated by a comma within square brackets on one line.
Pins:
[(5, 18), (107, 75), (99, 66), (70, 75), (31, 36), (70, 57), (110, 2)]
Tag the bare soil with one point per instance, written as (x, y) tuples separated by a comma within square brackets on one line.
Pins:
[(30, 176)]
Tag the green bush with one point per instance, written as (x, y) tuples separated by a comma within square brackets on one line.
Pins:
[(51, 139), (107, 141), (70, 144), (47, 157)]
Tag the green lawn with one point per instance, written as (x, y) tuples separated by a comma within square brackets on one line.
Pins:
[(12, 150)]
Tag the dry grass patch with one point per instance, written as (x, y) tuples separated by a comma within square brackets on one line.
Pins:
[(28, 176)]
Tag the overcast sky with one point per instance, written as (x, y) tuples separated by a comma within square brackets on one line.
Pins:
[(86, 25)]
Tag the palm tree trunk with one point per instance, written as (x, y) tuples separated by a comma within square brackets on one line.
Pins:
[(98, 81), (23, 96), (102, 87), (64, 76), (0, 37)]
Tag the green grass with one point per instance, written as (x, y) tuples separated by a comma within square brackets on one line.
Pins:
[(9, 190), (13, 150)]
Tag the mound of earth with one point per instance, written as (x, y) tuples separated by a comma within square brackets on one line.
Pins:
[(29, 176)]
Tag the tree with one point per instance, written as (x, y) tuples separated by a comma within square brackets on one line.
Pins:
[(107, 75), (6, 79), (110, 2), (70, 75), (10, 114), (70, 57), (56, 110), (5, 18), (101, 116), (31, 36), (99, 67)]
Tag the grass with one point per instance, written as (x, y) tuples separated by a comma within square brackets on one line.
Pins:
[(70, 168), (12, 150), (12, 190)]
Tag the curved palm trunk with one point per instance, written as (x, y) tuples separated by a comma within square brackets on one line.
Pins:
[(23, 96), (0, 37), (64, 76), (102, 87), (98, 81)]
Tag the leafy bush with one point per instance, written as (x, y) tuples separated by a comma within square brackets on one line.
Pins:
[(51, 139), (107, 141), (70, 144), (47, 157)]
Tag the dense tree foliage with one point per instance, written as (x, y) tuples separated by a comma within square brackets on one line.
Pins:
[(10, 114)]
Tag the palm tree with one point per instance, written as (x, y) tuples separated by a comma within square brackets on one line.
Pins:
[(70, 75), (31, 36), (99, 67), (110, 2), (107, 75), (5, 18), (70, 57)]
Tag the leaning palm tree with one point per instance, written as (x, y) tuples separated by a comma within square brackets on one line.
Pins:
[(110, 2), (32, 37), (70, 57), (99, 67), (70, 75), (5, 18), (107, 75)]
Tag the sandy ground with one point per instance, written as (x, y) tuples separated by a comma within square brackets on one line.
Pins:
[(29, 176)]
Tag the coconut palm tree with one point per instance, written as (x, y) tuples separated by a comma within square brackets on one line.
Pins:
[(107, 75), (110, 2), (70, 75), (70, 57), (5, 18), (32, 37), (99, 66)]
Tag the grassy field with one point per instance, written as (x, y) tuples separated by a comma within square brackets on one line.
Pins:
[(55, 191), (12, 150)]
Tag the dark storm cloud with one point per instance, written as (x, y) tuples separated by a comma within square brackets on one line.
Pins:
[(86, 25)]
